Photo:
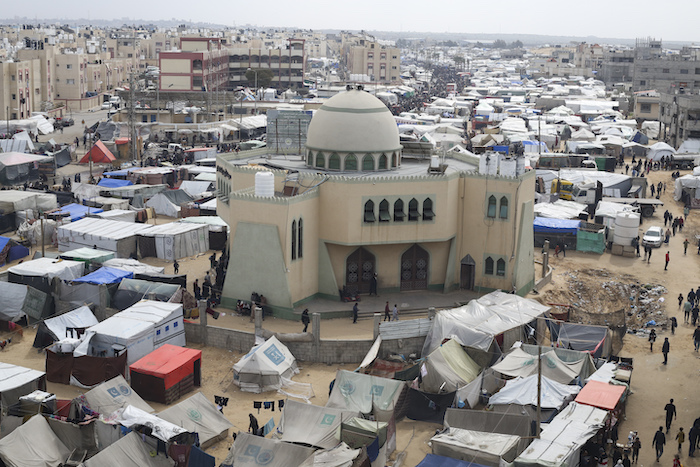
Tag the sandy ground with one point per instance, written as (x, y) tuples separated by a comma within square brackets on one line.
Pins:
[(652, 382)]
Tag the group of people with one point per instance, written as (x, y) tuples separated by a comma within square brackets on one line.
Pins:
[(693, 435)]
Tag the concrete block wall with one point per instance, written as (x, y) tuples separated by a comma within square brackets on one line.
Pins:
[(330, 351)]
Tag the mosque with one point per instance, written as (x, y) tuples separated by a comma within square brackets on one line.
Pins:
[(325, 223)]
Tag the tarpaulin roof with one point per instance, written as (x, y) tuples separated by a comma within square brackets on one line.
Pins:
[(312, 425), (162, 429), (50, 268), (558, 226), (133, 266), (251, 449), (198, 415), (169, 363), (114, 394), (77, 211), (262, 368), (362, 393), (477, 323), (489, 448), (583, 337), (432, 460), (105, 275), (79, 318), (88, 255), (339, 456), (114, 182), (16, 381), (602, 395), (33, 444), (19, 158), (560, 209), (129, 451), (448, 368), (523, 391), (13, 297), (16, 200), (98, 153), (520, 363)]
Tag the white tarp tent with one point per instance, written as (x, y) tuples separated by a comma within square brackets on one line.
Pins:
[(339, 456), (312, 425), (162, 429), (50, 268), (129, 451), (560, 209), (256, 450), (163, 206), (198, 415), (561, 440), (16, 200), (56, 327), (122, 215), (264, 367), (33, 445), (448, 368), (365, 393), (133, 265), (13, 296), (489, 449), (174, 240), (658, 150), (477, 323), (523, 391), (106, 234), (520, 363), (687, 182), (112, 395), (17, 381), (194, 188)]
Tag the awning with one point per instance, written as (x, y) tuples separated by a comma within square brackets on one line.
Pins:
[(602, 395)]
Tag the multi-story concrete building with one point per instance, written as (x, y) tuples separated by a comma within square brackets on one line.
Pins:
[(680, 117), (363, 55), (20, 88), (201, 65), (287, 64)]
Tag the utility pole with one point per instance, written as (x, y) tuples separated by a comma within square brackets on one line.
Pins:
[(132, 117)]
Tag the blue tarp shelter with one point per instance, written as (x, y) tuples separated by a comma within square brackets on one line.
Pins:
[(432, 460), (114, 183), (556, 226), (11, 250), (106, 275), (77, 211), (117, 173)]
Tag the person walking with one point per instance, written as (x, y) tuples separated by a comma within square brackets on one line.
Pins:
[(668, 258), (176, 267), (636, 446), (563, 249), (680, 437), (635, 244), (305, 320), (696, 338), (373, 285), (694, 314), (685, 246), (355, 309), (197, 290), (677, 461), (626, 461), (387, 312), (680, 300), (686, 312), (652, 339), (665, 348), (674, 325), (658, 442), (649, 256), (253, 427), (693, 440), (686, 211), (395, 313), (670, 409)]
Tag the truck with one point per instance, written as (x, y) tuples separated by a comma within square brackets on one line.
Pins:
[(589, 194), (684, 161), (647, 206)]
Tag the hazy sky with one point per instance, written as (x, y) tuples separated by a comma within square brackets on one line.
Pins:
[(670, 20)]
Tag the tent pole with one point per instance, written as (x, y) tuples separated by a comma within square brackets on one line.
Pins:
[(539, 390)]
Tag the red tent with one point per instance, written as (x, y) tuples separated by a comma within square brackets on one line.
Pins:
[(167, 373), (602, 395), (99, 154)]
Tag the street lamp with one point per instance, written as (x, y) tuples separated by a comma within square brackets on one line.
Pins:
[(255, 96)]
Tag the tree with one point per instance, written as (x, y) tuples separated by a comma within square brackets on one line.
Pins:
[(264, 77), (516, 45), (459, 61), (500, 44)]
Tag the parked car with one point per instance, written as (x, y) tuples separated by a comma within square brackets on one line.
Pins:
[(106, 105), (654, 237)]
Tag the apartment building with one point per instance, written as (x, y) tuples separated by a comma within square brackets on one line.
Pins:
[(287, 64), (20, 89), (363, 55), (679, 114), (201, 65)]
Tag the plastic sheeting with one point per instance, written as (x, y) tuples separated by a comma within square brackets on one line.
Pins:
[(105, 234), (560, 209), (131, 291), (174, 241), (121, 215), (17, 381), (114, 394), (485, 448), (339, 456), (79, 318), (364, 393), (105, 275), (480, 321), (49, 268), (76, 211), (13, 296), (15, 200), (520, 363), (523, 391), (198, 415), (447, 368), (256, 450), (114, 182), (263, 368), (129, 451), (162, 429), (88, 255), (133, 265), (556, 226), (33, 444), (431, 460), (312, 425)]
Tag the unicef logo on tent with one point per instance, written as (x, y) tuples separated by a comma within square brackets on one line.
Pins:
[(194, 415), (377, 390), (251, 450), (264, 458), (347, 388), (124, 389), (274, 354), (328, 419), (114, 392)]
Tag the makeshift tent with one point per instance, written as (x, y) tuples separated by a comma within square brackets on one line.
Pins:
[(339, 456), (129, 451), (16, 381), (365, 393), (168, 202), (131, 291), (523, 391), (358, 433), (81, 437), (88, 255), (20, 300), (428, 407), (167, 373), (583, 337), (448, 368), (17, 167), (173, 279), (112, 395), (98, 154), (85, 371), (256, 450), (74, 211), (560, 442), (602, 395), (133, 265), (198, 415), (39, 274), (10, 250), (116, 236), (658, 150), (174, 241), (130, 416), (195, 189), (312, 425), (265, 367), (431, 460), (551, 226), (105, 275), (16, 200), (33, 445), (106, 203), (121, 215), (478, 323), (568, 356), (140, 329), (114, 182), (63, 326), (490, 449), (520, 363)]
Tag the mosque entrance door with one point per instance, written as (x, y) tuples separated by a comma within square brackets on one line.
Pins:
[(414, 269), (467, 273), (359, 269)]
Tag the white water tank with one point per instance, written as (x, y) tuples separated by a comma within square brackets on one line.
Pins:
[(434, 162), (626, 228), (508, 167), (488, 163), (265, 184)]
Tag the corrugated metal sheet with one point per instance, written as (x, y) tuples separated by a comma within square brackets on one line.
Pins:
[(404, 329)]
